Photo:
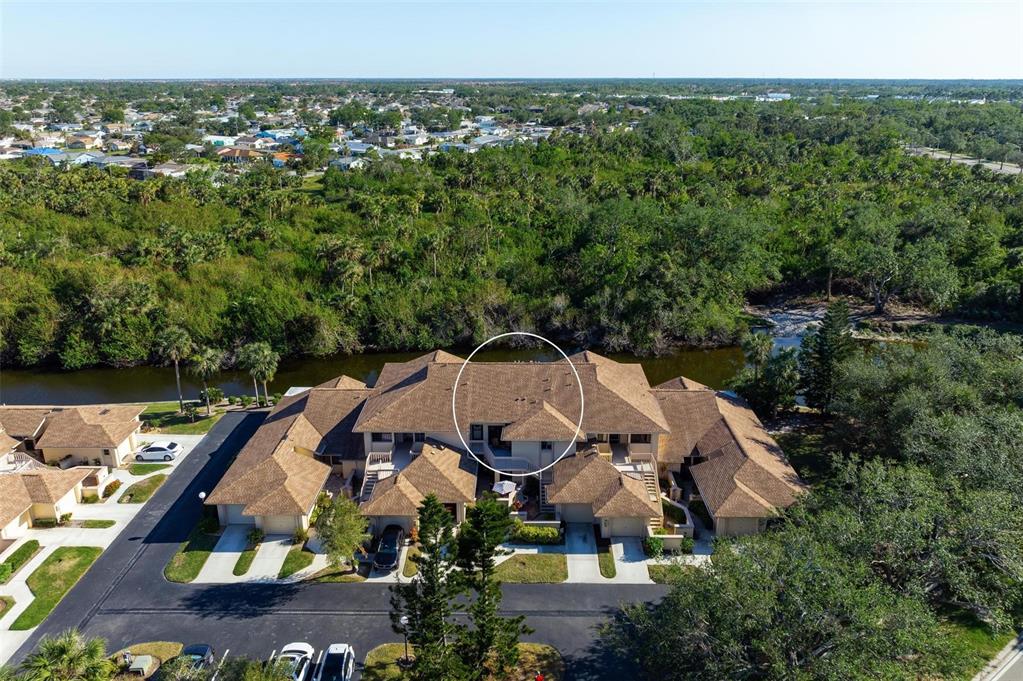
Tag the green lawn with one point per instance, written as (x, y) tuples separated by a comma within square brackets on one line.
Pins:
[(973, 641), (534, 568), (164, 417), (606, 560), (245, 561), (341, 575), (161, 650), (140, 492), (411, 568), (6, 603), (21, 555), (381, 663), (146, 468), (52, 580), (663, 573), (191, 556), (296, 560), (94, 524)]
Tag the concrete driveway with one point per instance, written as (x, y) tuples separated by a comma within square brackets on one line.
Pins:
[(630, 561), (581, 552), (219, 567)]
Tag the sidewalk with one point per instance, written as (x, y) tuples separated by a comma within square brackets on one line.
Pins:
[(51, 538)]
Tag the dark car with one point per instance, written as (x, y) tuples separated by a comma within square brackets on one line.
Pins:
[(201, 655), (386, 558)]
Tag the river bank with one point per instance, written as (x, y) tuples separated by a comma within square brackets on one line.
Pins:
[(713, 367)]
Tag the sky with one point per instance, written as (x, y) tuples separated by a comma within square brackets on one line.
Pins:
[(232, 39)]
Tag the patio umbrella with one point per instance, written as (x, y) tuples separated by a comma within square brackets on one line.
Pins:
[(505, 487)]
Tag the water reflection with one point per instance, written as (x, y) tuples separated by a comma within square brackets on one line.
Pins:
[(139, 384)]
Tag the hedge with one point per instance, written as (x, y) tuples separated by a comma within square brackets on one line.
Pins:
[(20, 556), (535, 534), (111, 488)]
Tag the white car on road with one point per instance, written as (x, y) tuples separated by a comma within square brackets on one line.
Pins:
[(159, 451), (297, 660), (338, 664)]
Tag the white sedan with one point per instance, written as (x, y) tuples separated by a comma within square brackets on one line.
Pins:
[(296, 659), (338, 664), (159, 451)]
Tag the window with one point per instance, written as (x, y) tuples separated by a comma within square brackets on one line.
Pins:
[(476, 431), (640, 438), (545, 445), (419, 437), (381, 437)]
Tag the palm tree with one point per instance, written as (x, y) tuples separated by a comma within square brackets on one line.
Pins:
[(260, 360), (757, 348), (205, 365), (68, 657), (175, 345)]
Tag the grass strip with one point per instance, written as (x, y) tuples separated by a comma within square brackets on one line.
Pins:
[(54, 578), (141, 491)]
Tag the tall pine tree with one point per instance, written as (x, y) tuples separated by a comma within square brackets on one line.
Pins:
[(492, 640), (821, 351), (429, 599)]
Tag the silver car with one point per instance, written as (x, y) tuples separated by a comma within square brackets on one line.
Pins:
[(159, 451), (338, 663)]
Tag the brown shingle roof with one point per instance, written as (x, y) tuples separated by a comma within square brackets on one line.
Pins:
[(439, 470), (18, 491), (47, 486), (416, 396), (14, 498), (7, 443), (590, 479), (22, 422), (92, 427), (542, 422), (746, 475), (690, 414)]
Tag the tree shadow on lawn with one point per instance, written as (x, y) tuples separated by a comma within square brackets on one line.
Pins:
[(599, 661)]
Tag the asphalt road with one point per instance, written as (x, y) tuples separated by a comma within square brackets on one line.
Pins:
[(125, 599)]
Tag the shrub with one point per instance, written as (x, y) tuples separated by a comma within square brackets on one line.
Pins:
[(90, 499), (232, 400), (301, 535), (653, 547), (533, 534), (686, 545), (246, 400), (5, 572), (276, 397), (20, 556), (209, 524), (255, 536), (109, 490), (216, 395), (661, 531), (45, 523), (65, 518)]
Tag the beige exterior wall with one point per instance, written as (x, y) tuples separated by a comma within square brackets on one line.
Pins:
[(281, 524), (575, 513), (87, 455), (623, 527), (738, 527), (18, 526)]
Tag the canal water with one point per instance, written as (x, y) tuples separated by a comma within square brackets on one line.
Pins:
[(713, 367)]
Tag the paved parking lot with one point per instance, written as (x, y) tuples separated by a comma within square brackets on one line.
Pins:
[(52, 538), (125, 599)]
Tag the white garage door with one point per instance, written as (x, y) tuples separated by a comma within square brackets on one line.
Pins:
[(628, 527), (577, 513), (235, 517), (279, 524)]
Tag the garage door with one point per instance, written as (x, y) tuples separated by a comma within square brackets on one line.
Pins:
[(577, 513), (628, 527), (235, 517), (279, 524)]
